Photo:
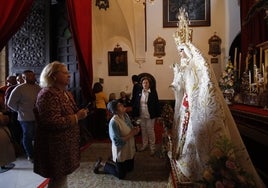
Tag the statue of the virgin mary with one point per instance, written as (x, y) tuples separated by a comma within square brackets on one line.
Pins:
[(207, 147)]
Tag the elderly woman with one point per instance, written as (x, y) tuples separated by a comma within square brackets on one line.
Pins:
[(122, 134), (56, 148), (6, 148)]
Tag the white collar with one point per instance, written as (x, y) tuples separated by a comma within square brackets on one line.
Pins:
[(149, 90)]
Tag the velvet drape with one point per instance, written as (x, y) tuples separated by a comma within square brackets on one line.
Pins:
[(255, 30), (79, 13), (12, 15)]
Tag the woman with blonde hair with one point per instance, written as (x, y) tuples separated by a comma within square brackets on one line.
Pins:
[(56, 147)]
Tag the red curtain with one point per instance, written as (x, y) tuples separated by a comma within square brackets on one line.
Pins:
[(12, 15), (255, 30), (79, 13)]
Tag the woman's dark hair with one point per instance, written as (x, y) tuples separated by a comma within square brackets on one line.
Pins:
[(151, 79), (146, 78), (97, 87), (135, 78)]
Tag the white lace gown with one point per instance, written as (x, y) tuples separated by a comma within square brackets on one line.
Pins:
[(203, 119)]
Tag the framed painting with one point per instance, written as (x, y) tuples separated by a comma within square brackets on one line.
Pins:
[(117, 63), (198, 12)]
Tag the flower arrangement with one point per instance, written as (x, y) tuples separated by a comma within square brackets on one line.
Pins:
[(227, 79), (223, 168), (167, 116)]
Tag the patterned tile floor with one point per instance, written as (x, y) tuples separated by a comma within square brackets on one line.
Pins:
[(21, 175)]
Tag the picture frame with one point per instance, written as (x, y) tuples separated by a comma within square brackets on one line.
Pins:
[(159, 47), (159, 62), (214, 60), (198, 11), (117, 63)]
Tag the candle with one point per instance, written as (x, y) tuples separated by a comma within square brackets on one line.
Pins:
[(239, 64), (235, 54), (249, 81), (249, 77), (262, 69), (246, 64), (260, 55), (263, 72)]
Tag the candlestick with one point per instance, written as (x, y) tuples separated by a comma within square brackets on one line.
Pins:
[(235, 58), (254, 59)]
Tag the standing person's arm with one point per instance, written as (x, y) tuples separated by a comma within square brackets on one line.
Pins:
[(153, 104), (157, 105), (14, 99), (50, 108), (115, 135)]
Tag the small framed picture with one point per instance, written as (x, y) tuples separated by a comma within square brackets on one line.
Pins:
[(159, 62), (214, 60)]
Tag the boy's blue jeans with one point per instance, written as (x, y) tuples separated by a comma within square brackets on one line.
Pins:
[(28, 130)]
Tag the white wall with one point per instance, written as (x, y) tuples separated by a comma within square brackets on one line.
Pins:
[(120, 24)]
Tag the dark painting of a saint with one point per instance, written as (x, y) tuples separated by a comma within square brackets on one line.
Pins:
[(117, 62)]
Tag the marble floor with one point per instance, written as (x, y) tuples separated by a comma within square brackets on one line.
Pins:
[(21, 175)]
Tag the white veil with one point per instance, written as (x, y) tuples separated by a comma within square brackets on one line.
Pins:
[(210, 118)]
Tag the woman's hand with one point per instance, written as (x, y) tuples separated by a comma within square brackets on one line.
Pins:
[(82, 113), (136, 130)]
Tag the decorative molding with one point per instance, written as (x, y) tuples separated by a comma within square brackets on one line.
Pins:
[(102, 4), (140, 61)]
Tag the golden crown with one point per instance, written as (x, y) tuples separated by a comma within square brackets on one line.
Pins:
[(184, 33)]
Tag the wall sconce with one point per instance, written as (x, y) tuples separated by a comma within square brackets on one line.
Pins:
[(102, 4)]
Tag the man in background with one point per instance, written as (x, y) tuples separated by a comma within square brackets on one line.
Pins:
[(14, 125), (135, 91), (22, 100), (11, 80)]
